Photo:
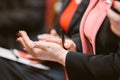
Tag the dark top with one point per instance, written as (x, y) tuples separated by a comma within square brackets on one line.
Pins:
[(73, 30), (104, 65)]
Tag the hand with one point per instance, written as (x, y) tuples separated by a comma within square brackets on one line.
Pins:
[(43, 50), (54, 37), (28, 47), (53, 34), (115, 18), (51, 51), (69, 44)]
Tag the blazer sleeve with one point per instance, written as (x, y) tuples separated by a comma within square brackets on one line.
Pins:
[(93, 67), (77, 41)]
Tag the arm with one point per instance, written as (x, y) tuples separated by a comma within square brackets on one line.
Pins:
[(78, 65), (98, 67), (93, 66)]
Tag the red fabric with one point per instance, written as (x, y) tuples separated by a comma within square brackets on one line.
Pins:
[(91, 22), (67, 15)]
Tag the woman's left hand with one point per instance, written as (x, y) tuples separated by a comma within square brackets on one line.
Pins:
[(115, 18)]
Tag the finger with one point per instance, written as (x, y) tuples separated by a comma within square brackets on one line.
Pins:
[(24, 35), (67, 45), (33, 59), (113, 15), (26, 39), (41, 45), (54, 40), (21, 41), (23, 44), (29, 56), (116, 5), (27, 42)]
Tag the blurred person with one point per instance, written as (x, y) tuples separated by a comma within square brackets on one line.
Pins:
[(99, 60)]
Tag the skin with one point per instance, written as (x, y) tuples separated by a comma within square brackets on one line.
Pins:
[(115, 18), (52, 50), (42, 49), (54, 37)]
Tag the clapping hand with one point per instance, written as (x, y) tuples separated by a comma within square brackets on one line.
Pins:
[(43, 50), (54, 37), (114, 18)]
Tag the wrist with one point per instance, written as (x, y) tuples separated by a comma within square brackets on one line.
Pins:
[(62, 57)]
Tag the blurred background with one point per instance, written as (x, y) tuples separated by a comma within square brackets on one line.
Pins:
[(34, 16), (53, 7)]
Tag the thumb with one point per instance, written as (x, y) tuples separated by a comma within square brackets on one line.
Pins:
[(67, 45)]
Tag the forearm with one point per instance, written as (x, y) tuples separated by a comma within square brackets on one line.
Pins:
[(99, 66)]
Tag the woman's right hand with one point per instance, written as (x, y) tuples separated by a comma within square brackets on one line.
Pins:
[(43, 50)]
